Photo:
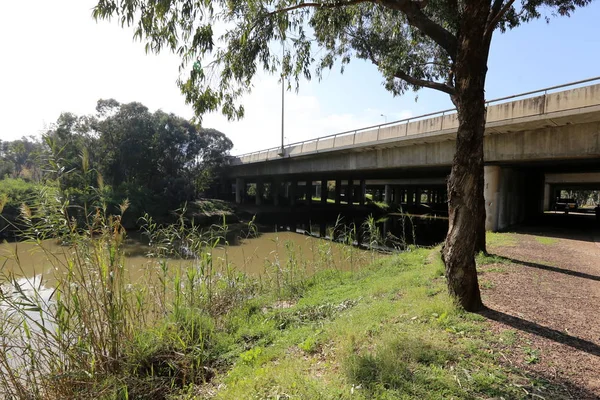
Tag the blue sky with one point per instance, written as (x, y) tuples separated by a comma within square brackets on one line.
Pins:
[(65, 61)]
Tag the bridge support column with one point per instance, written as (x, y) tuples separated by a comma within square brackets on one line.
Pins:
[(275, 191), (410, 197), (350, 192), (362, 192), (388, 194), (240, 190), (259, 193), (491, 193), (509, 196), (309, 192), (418, 196), (397, 195), (324, 191), (547, 196), (292, 193), (338, 192)]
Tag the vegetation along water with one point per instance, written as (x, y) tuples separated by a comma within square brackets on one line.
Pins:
[(311, 318)]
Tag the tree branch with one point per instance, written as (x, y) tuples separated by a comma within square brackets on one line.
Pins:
[(496, 15), (415, 16), (400, 74), (319, 5), (425, 83), (411, 8)]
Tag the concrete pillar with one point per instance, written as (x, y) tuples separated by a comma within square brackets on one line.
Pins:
[(293, 190), (418, 196), (410, 196), (259, 192), (547, 197), (428, 196), (362, 192), (309, 192), (240, 190), (491, 193), (388, 194), (275, 191), (397, 194), (324, 191), (338, 191), (350, 192)]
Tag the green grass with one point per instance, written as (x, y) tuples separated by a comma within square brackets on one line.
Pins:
[(386, 331), (546, 240), (496, 239)]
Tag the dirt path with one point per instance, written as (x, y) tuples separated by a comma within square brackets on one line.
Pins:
[(545, 287)]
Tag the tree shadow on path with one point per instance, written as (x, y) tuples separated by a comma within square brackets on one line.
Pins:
[(543, 331), (549, 268)]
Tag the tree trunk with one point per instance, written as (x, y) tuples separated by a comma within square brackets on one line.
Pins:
[(466, 205)]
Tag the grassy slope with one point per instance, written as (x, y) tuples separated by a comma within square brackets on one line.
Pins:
[(389, 331)]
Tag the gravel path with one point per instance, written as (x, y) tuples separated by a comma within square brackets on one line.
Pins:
[(546, 288)]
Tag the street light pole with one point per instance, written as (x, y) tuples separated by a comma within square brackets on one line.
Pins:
[(282, 152), (384, 116)]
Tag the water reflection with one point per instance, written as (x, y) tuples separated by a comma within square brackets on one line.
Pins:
[(388, 232), (45, 260)]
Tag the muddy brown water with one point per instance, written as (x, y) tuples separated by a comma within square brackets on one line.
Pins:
[(252, 256)]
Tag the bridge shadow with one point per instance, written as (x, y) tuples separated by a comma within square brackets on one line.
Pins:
[(561, 226), (548, 268), (542, 331)]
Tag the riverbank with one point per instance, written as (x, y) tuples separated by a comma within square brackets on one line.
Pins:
[(386, 330)]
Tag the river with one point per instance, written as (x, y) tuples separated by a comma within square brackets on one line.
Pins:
[(251, 255)]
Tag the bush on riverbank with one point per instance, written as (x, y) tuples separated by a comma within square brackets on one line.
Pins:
[(384, 330)]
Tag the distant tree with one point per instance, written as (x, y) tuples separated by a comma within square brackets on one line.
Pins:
[(69, 141), (6, 166), (163, 153), (21, 158), (438, 44)]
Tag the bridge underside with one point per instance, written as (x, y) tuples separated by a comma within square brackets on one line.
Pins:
[(517, 164), (533, 148)]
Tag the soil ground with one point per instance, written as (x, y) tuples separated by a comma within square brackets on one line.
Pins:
[(544, 290)]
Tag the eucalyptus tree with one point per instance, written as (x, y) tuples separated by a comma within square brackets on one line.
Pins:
[(438, 44)]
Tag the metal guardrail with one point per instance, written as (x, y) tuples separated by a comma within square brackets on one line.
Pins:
[(406, 121)]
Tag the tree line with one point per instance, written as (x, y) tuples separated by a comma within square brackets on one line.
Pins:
[(155, 160)]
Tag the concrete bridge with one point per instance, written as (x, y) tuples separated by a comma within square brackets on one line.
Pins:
[(535, 144)]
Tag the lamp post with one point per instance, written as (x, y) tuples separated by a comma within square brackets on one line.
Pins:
[(384, 116), (282, 151)]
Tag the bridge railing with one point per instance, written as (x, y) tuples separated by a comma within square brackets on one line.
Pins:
[(425, 123)]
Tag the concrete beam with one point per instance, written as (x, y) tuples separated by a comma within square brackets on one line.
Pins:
[(586, 177)]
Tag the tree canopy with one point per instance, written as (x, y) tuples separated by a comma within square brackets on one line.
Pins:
[(413, 43)]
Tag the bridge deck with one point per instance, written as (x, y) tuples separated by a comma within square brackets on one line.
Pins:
[(533, 110)]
